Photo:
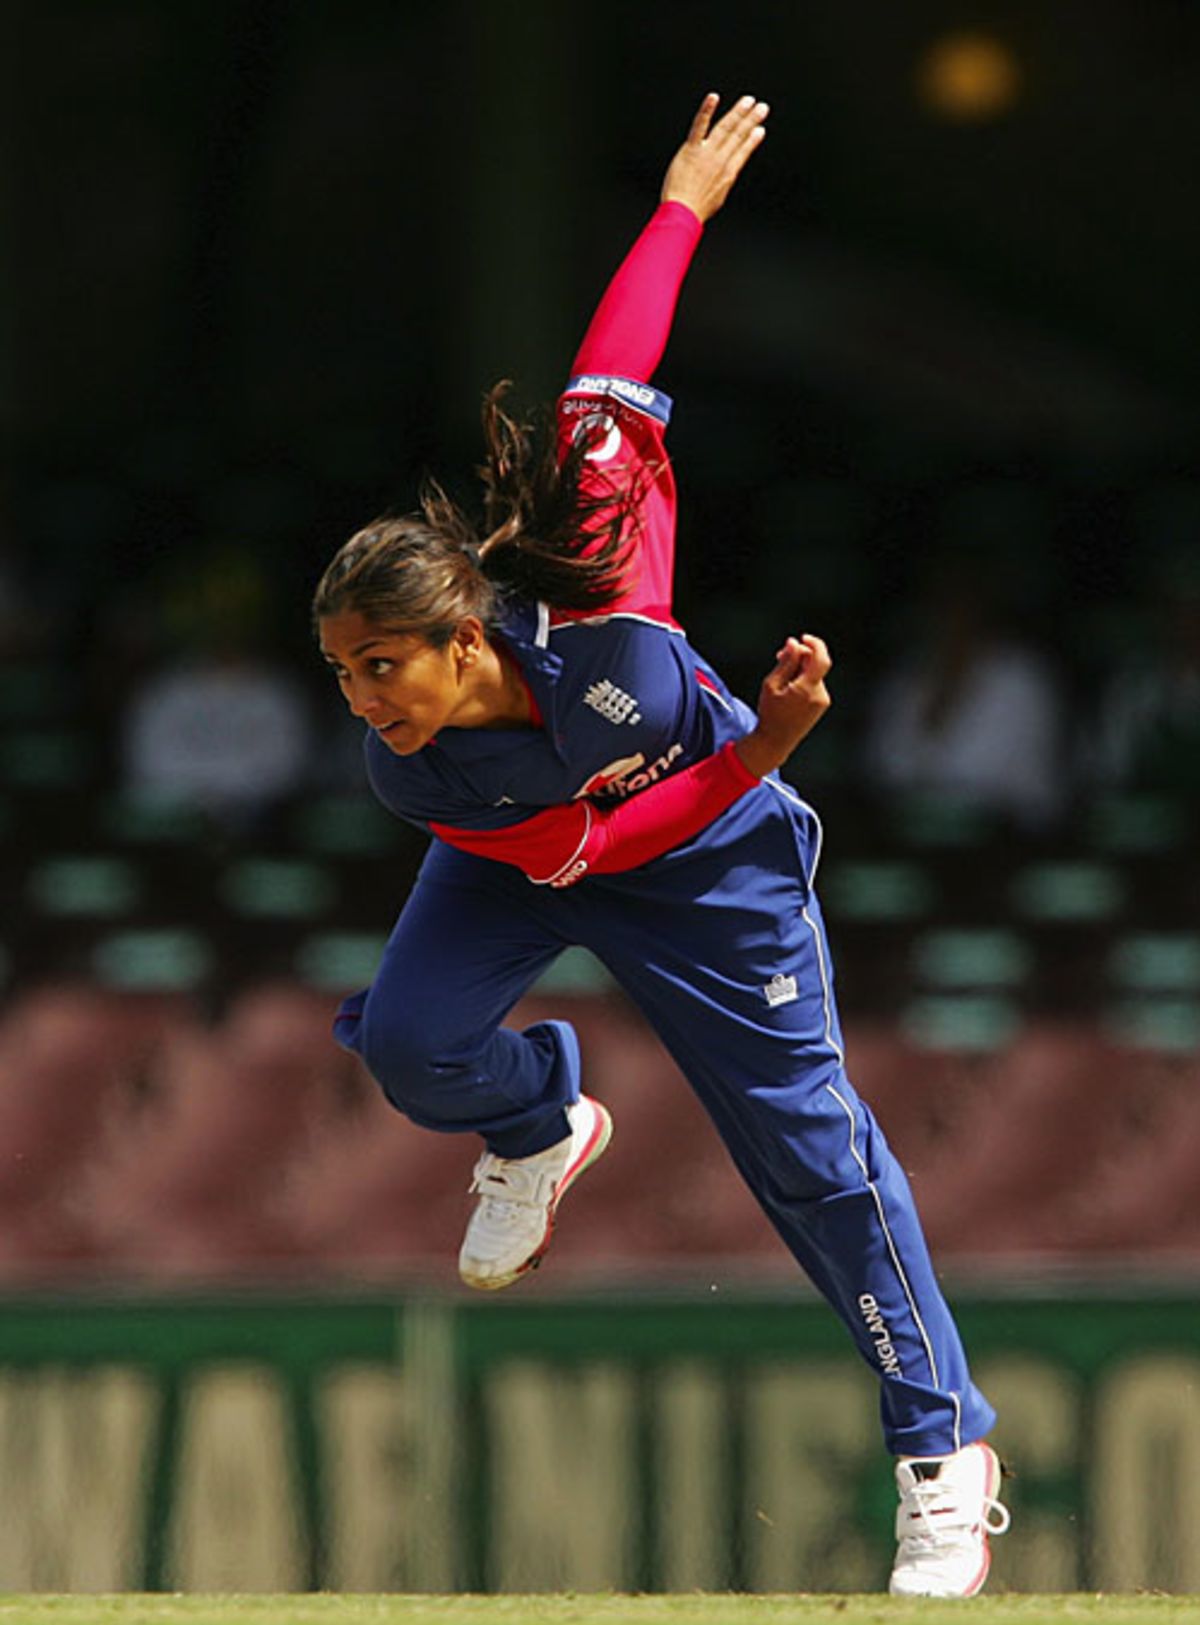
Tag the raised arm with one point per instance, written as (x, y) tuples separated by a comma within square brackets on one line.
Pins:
[(609, 396), (629, 331), (628, 334)]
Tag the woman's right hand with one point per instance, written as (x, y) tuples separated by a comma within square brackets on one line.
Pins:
[(714, 155), (791, 702)]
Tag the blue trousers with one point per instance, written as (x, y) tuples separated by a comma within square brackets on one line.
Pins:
[(722, 946)]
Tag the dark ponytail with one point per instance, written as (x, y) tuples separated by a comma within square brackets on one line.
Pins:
[(542, 539)]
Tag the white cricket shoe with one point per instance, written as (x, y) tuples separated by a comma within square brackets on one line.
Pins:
[(948, 1508), (513, 1220)]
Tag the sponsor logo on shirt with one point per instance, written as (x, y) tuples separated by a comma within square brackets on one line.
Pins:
[(609, 776), (570, 876), (613, 704), (603, 434), (620, 779)]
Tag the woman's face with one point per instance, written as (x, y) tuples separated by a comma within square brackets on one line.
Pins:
[(397, 682)]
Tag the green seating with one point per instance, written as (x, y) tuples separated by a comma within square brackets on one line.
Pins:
[(277, 889), (339, 961), (102, 886), (163, 960)]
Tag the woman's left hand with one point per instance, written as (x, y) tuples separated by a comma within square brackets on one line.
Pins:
[(714, 155), (791, 702)]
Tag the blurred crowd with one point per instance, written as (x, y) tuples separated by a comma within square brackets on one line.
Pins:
[(974, 672), (194, 871)]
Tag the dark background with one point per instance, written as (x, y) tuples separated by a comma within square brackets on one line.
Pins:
[(264, 257)]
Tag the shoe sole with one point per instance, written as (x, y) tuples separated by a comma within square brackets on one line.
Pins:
[(591, 1151)]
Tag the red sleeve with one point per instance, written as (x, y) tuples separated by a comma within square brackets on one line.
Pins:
[(629, 331), (559, 846), (610, 399)]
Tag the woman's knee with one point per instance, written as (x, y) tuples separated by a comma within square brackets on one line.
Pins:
[(424, 1069)]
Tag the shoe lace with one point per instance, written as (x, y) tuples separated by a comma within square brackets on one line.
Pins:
[(506, 1187), (927, 1500)]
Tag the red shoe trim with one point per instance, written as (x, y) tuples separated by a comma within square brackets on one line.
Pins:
[(991, 1485), (601, 1130)]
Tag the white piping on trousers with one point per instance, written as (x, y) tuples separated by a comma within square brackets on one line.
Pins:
[(858, 1157), (788, 794)]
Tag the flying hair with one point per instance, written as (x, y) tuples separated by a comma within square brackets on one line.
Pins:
[(541, 538)]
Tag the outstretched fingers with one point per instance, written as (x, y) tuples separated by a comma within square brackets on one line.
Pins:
[(735, 137), (744, 125), (702, 122), (714, 154)]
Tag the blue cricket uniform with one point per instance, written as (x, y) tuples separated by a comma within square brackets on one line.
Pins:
[(623, 823)]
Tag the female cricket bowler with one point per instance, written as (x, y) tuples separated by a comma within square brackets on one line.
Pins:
[(588, 779)]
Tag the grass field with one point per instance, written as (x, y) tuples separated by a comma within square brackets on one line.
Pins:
[(593, 1610)]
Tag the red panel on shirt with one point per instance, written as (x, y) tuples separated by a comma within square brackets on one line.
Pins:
[(560, 845)]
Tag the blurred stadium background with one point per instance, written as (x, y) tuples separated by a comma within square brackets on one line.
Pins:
[(936, 379)]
